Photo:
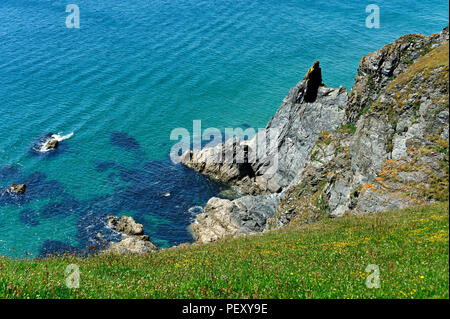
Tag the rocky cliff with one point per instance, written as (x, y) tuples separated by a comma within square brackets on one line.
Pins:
[(308, 109), (383, 146)]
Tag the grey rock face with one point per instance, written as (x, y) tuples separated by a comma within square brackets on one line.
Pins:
[(131, 246), (300, 124), (220, 161), (308, 109), (134, 241), (405, 118), (322, 186), (407, 159), (126, 225), (244, 215), (50, 144), (379, 68)]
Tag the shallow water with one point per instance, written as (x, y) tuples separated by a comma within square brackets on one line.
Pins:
[(134, 71)]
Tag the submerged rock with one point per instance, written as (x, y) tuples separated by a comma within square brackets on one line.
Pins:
[(134, 241), (17, 189), (50, 144), (126, 225)]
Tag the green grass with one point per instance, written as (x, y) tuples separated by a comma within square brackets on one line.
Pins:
[(347, 128), (322, 260)]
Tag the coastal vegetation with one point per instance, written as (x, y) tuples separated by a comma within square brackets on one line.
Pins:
[(326, 259)]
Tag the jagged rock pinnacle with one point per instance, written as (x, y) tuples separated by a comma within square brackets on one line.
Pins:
[(314, 81)]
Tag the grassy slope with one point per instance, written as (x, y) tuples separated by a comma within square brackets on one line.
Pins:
[(322, 260), (438, 57)]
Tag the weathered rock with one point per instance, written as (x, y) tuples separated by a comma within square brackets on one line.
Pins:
[(219, 162), (244, 215), (310, 198), (126, 225), (313, 81), (379, 68), (134, 241), (17, 189), (405, 119), (132, 246), (299, 124)]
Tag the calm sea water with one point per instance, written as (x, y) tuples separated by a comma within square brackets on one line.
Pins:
[(134, 71)]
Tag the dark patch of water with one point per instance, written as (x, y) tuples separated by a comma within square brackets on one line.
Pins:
[(125, 141)]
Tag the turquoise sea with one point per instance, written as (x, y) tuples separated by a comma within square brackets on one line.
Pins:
[(133, 72)]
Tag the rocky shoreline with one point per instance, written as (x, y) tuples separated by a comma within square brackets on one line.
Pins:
[(376, 148), (383, 146), (133, 239)]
